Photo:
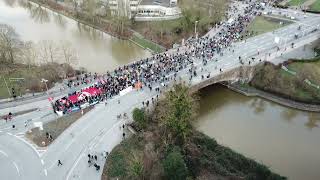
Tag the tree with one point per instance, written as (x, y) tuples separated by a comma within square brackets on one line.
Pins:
[(9, 43), (139, 117), (174, 166), (68, 53), (179, 109), (136, 166)]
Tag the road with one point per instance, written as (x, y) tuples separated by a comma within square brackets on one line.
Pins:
[(99, 130)]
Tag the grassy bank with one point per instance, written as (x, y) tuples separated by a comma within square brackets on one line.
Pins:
[(262, 24), (315, 6), (168, 147), (30, 77), (146, 44), (296, 2), (292, 83), (55, 128)]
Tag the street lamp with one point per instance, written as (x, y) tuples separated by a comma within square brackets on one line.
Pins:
[(45, 82), (195, 29)]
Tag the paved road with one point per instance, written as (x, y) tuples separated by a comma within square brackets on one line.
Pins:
[(99, 130), (18, 160)]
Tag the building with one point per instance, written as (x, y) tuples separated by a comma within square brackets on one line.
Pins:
[(146, 10)]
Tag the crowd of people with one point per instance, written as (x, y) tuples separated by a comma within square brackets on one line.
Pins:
[(162, 68)]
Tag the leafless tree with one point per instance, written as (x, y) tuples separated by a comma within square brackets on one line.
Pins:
[(9, 43)]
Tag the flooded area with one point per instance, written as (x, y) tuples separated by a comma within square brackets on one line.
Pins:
[(284, 139), (94, 50)]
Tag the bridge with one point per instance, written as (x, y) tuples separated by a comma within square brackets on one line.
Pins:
[(99, 131)]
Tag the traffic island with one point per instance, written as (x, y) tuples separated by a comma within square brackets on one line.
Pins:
[(53, 129)]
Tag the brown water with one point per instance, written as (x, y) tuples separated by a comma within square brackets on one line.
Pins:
[(94, 50), (284, 139)]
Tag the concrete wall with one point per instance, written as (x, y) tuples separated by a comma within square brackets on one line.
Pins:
[(243, 73)]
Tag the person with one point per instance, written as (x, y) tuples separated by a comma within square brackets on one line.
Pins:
[(59, 163), (123, 135), (96, 157)]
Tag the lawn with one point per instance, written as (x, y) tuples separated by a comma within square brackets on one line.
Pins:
[(296, 2), (55, 128), (315, 6), (262, 24), (147, 44)]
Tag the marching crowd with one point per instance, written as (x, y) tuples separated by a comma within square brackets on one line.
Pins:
[(156, 69)]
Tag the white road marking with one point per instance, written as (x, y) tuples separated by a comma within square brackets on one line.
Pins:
[(75, 165), (26, 143), (42, 162), (14, 163), (5, 154), (45, 172)]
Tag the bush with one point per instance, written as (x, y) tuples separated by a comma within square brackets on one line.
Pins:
[(174, 165), (139, 117)]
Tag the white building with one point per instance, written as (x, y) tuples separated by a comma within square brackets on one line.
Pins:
[(146, 10)]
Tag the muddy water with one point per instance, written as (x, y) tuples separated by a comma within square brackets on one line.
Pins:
[(284, 139), (92, 49)]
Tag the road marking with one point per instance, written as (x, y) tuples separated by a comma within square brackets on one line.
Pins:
[(45, 172), (42, 162), (74, 165), (10, 134), (5, 154), (27, 144), (14, 163)]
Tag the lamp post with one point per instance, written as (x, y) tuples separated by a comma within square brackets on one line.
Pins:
[(195, 29)]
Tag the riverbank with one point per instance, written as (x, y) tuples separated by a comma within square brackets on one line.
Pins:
[(20, 79), (167, 146), (249, 91), (103, 25)]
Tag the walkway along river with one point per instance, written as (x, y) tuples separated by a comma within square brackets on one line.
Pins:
[(282, 138), (95, 50)]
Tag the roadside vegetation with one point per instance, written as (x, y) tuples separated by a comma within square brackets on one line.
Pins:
[(54, 128), (262, 24), (296, 2), (300, 82), (168, 147), (23, 64), (315, 6)]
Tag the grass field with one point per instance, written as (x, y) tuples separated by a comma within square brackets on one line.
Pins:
[(263, 24), (296, 2), (315, 6), (147, 44)]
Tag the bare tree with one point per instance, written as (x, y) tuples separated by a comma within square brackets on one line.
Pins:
[(68, 53), (9, 43)]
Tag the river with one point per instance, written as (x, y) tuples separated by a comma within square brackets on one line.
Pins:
[(92, 49), (282, 138)]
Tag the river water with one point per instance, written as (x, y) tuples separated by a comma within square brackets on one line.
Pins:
[(92, 49), (282, 138), (287, 140)]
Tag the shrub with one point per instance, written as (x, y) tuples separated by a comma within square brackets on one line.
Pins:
[(174, 165), (139, 117)]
